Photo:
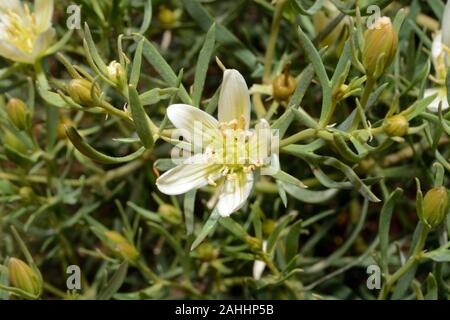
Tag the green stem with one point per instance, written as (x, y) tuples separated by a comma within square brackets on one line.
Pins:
[(273, 40), (305, 134), (149, 274), (55, 291), (411, 262), (370, 83)]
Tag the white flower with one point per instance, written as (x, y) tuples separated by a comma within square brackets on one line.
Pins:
[(226, 152), (446, 25), (441, 59), (25, 36), (441, 98), (258, 265)]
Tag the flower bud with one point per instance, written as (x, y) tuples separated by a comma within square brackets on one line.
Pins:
[(381, 41), (80, 92), (27, 194), (122, 246), (63, 123), (396, 126), (116, 72), (283, 87), (14, 142), (207, 252), (170, 214), (268, 226), (168, 18), (435, 206), (24, 277), (18, 114)]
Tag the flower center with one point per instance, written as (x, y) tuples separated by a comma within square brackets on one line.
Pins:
[(20, 31), (238, 150)]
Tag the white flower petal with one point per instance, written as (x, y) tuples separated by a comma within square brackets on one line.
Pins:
[(234, 99), (258, 265), (440, 98), (14, 5), (192, 174), (44, 13), (186, 118), (261, 142), (446, 25), (234, 194), (10, 52), (436, 47), (43, 42)]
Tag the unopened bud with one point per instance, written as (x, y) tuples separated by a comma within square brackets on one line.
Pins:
[(80, 91), (170, 214), (435, 206), (207, 252), (18, 114), (116, 72), (283, 87), (23, 277), (14, 142), (27, 194), (168, 18), (268, 226), (396, 126), (381, 41), (122, 246)]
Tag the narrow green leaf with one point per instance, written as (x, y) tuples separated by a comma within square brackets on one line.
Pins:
[(203, 64), (148, 12), (95, 155), (384, 226), (207, 228), (281, 226), (309, 196), (137, 64), (234, 227), (153, 57), (115, 283), (189, 206), (140, 118), (321, 73), (224, 36), (432, 288), (292, 239)]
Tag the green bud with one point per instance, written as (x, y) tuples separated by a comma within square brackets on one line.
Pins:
[(24, 277), (18, 114), (435, 206), (122, 246), (381, 41), (80, 92), (284, 86), (168, 18), (207, 252), (396, 126), (14, 142), (268, 226), (170, 214), (27, 194)]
